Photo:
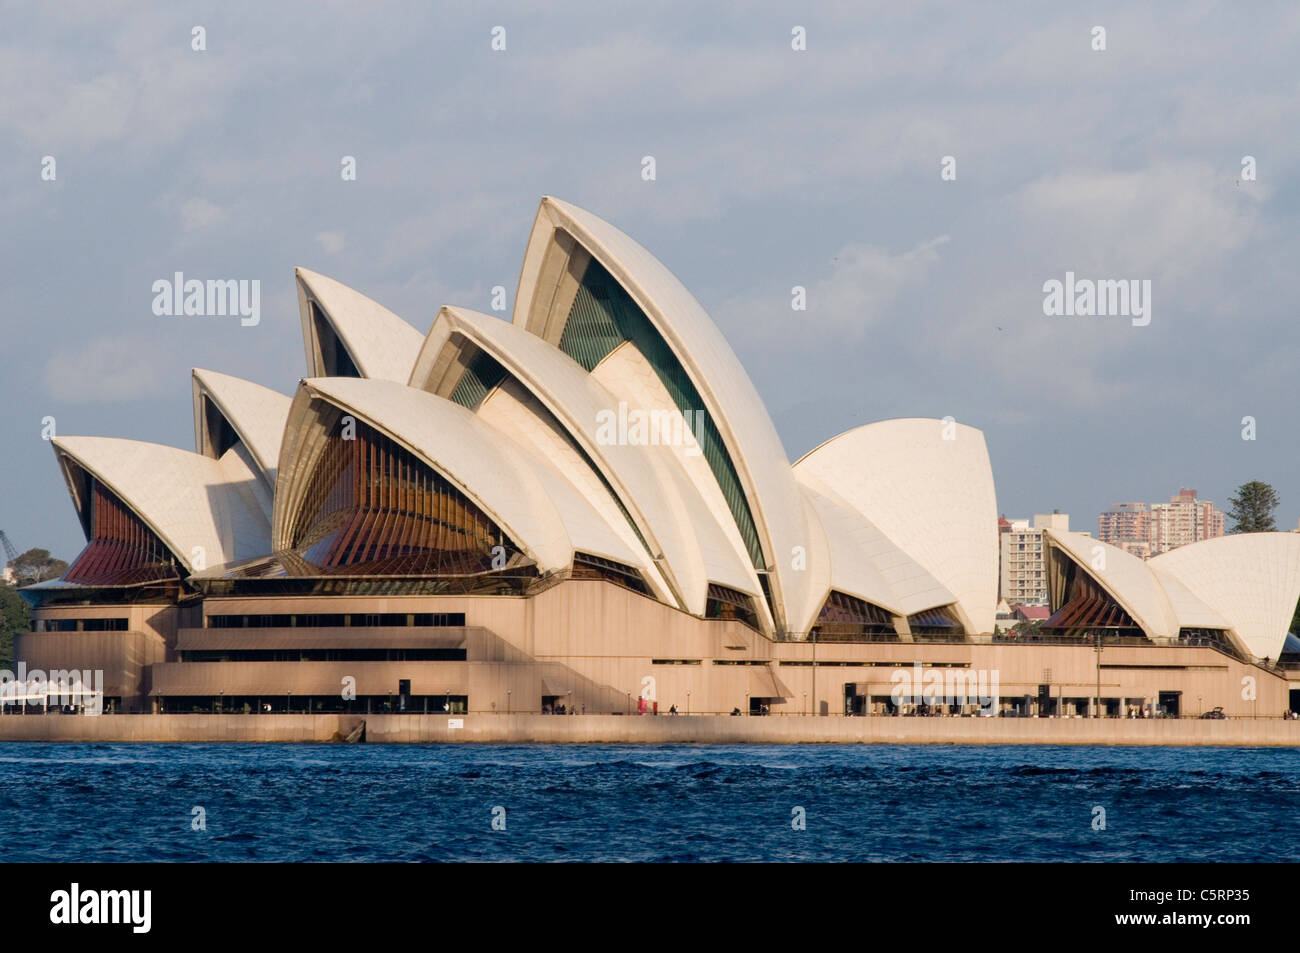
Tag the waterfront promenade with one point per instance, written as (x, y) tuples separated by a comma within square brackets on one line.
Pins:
[(663, 729)]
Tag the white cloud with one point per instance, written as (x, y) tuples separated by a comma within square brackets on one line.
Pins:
[(771, 163), (862, 289), (865, 283), (112, 369), (332, 242), (200, 213), (129, 79), (1173, 218)]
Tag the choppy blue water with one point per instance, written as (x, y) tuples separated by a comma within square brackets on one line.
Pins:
[(83, 802)]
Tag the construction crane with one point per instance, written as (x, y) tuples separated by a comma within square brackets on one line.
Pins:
[(10, 553), (24, 576)]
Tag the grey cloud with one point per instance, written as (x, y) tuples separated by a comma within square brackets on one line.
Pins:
[(771, 164)]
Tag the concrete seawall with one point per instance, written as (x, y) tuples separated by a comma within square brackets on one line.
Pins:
[(617, 729)]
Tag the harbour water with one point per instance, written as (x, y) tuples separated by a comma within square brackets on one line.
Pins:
[(270, 802)]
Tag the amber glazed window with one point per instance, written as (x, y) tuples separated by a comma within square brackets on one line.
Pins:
[(122, 550), (373, 507)]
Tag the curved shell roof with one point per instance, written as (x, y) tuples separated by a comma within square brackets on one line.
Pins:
[(1190, 611), (932, 497), (865, 563), (382, 345), (632, 384), (204, 510), (1129, 580), (711, 557), (1250, 579), (516, 415), (258, 415), (665, 508), (899, 513), (746, 430), (543, 515)]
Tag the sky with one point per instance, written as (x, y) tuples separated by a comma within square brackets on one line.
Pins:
[(774, 168)]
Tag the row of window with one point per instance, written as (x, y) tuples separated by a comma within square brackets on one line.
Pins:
[(337, 620), (79, 625), (323, 655), (310, 704), (899, 664)]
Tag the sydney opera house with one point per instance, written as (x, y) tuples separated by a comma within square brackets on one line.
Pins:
[(587, 507)]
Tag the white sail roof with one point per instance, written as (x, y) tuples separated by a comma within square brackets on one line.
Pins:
[(257, 414), (928, 487), (664, 505), (865, 563), (381, 344), (747, 432), (899, 513), (1250, 579), (1130, 581), (634, 387), (514, 413), (545, 517), (205, 511)]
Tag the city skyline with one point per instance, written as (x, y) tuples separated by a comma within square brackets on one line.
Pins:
[(1140, 529)]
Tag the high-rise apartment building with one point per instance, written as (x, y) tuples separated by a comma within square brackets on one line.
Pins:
[(1149, 531), (1184, 519), (1128, 527), (1023, 580)]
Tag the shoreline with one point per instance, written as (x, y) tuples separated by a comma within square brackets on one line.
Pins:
[(649, 730)]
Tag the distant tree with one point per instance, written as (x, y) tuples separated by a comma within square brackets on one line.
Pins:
[(37, 565), (14, 618), (1251, 510)]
